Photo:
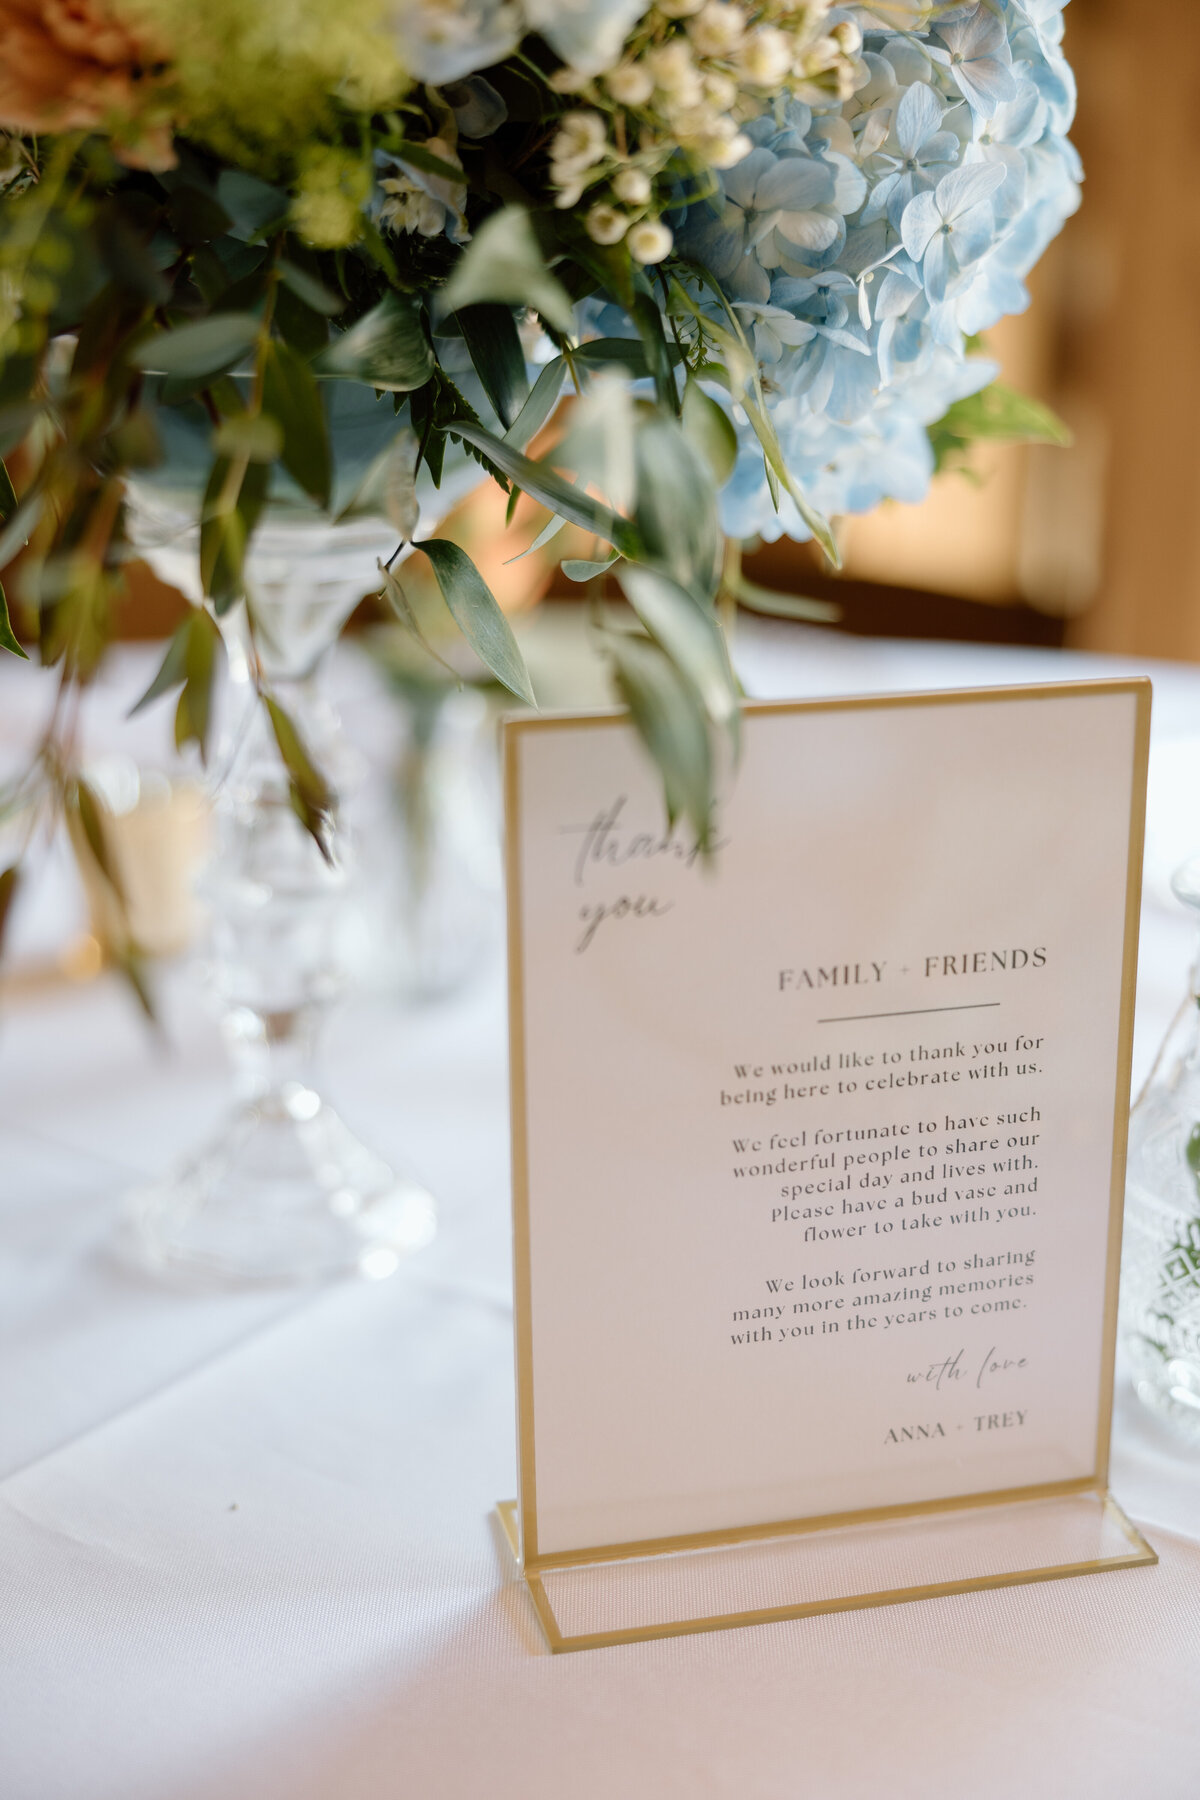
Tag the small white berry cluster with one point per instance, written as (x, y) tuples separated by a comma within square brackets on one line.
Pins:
[(691, 75)]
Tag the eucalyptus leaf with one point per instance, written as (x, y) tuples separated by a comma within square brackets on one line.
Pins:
[(690, 635), (773, 605), (551, 489), (576, 570), (91, 817), (255, 436), (549, 531), (708, 426), (494, 345), (740, 372), (172, 671), (599, 445), (816, 521), (18, 528), (648, 319), (477, 614), (401, 605), (601, 353), (8, 637), (208, 347), (389, 487), (9, 881), (225, 529), (193, 713), (386, 348), (252, 205), (503, 263), (543, 398), (196, 216), (307, 288), (15, 422), (997, 414), (676, 512), (292, 399), (298, 325), (671, 724), (312, 798), (132, 967)]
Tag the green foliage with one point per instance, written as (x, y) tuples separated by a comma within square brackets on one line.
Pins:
[(89, 810), (676, 509), (9, 881), (292, 400), (172, 671), (230, 314), (503, 263), (490, 334), (477, 614), (393, 592), (308, 289), (543, 398), (709, 427), (690, 635), (774, 605), (559, 495), (207, 347), (8, 506), (669, 724), (576, 569), (387, 348), (202, 654), (233, 501), (312, 798), (997, 414), (649, 321)]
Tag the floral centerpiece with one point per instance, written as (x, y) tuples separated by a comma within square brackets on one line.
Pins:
[(299, 256)]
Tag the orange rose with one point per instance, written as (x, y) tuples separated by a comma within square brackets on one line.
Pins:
[(71, 65)]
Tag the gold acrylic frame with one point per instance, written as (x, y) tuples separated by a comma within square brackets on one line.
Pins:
[(519, 1518)]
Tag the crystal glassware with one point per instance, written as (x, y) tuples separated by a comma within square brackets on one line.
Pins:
[(1160, 1276), (285, 1192)]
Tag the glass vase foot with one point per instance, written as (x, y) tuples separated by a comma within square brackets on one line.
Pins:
[(285, 1194)]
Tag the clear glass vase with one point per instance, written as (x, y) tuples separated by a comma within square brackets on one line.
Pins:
[(434, 907), (1160, 1276), (285, 1192)]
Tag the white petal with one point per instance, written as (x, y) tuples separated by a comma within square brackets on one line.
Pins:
[(917, 117), (921, 220)]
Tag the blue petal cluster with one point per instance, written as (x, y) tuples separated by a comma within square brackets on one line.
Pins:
[(864, 244)]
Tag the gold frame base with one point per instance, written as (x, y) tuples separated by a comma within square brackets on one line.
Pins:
[(1134, 1552)]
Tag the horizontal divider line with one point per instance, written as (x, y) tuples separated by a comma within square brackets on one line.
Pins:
[(908, 1012)]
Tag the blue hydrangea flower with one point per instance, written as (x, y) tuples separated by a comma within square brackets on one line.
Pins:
[(862, 243), (920, 153), (949, 228)]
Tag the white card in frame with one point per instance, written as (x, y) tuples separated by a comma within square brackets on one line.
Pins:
[(818, 1155)]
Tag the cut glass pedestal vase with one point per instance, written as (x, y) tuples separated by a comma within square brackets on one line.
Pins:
[(1160, 1277), (285, 1192)]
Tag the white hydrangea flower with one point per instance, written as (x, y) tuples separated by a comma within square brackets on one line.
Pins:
[(606, 224), (718, 29), (649, 241), (630, 84), (633, 186), (765, 59)]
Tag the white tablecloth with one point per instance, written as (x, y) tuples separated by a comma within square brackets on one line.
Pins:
[(245, 1547)]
